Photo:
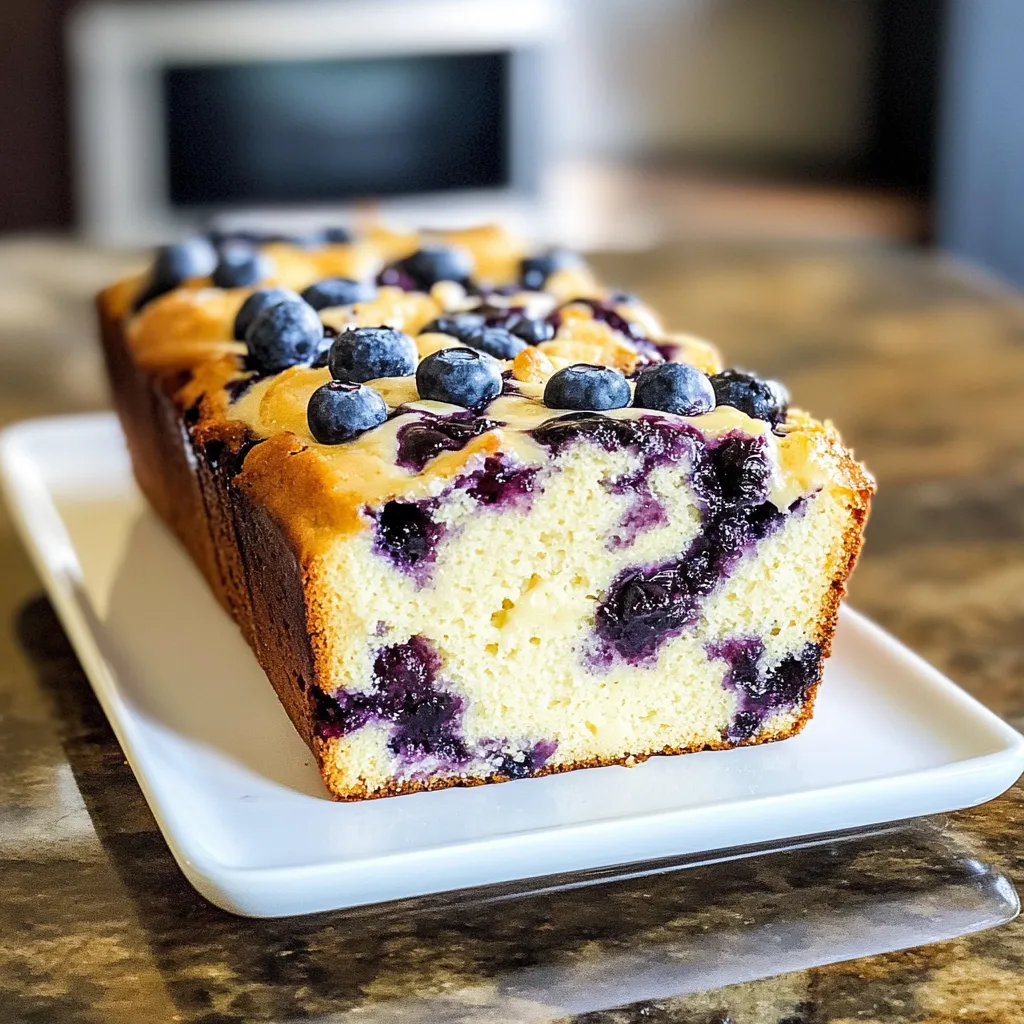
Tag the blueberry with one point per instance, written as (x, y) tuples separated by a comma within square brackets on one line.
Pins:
[(425, 438), (240, 265), (761, 399), (194, 257), (533, 332), (220, 236), (497, 342), (461, 376), (339, 411), (584, 386), (458, 325), (174, 264), (535, 270), (310, 240), (338, 291), (337, 235), (435, 263), (366, 353), (259, 301), (674, 387), (251, 238), (284, 335)]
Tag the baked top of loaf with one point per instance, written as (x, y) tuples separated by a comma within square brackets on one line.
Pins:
[(186, 335)]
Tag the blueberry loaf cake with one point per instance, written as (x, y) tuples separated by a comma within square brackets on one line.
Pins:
[(479, 517)]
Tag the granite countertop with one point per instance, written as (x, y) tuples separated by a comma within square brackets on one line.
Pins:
[(922, 367)]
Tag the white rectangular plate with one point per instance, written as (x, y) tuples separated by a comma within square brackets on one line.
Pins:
[(240, 801)]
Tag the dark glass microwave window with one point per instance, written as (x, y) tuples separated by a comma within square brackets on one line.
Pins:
[(286, 131)]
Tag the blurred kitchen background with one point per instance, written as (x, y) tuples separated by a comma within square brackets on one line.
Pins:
[(603, 124)]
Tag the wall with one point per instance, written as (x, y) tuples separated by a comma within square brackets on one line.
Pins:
[(981, 166), (35, 188), (787, 81), (783, 81)]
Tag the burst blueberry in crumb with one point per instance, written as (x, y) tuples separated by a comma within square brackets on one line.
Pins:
[(676, 388), (366, 353), (762, 691), (339, 411), (283, 335), (535, 270), (502, 483), (425, 438), (435, 263), (239, 266), (497, 342), (406, 693), (646, 605), (408, 535), (585, 386), (456, 325), (257, 303), (175, 264), (338, 291), (761, 399), (521, 764), (460, 376), (532, 331)]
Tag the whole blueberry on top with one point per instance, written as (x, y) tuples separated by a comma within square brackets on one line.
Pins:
[(435, 263), (175, 264), (337, 235), (461, 376), (221, 236), (497, 342), (252, 237), (240, 265), (284, 335), (366, 353), (194, 257), (457, 325), (307, 240), (762, 399), (301, 240), (259, 301), (535, 270), (533, 332), (339, 411), (585, 386), (338, 291), (674, 387)]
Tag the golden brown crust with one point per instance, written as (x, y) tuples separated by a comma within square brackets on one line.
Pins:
[(355, 793), (187, 478)]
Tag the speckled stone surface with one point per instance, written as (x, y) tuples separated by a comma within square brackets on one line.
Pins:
[(922, 367)]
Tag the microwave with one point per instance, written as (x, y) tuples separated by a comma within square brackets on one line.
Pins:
[(290, 112)]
